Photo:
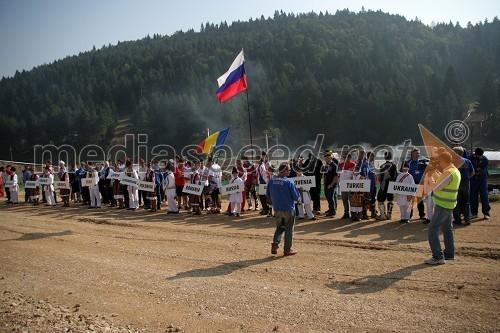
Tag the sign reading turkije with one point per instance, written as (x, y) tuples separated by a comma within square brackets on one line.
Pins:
[(193, 189), (355, 185), (402, 188), (231, 188)]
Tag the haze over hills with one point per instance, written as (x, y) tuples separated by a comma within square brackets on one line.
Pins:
[(355, 77)]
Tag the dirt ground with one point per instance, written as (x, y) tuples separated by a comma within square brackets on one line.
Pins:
[(80, 270)]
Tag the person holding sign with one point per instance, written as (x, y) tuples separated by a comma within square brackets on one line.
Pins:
[(63, 175), (445, 197), (405, 201), (356, 198), (117, 188), (14, 198), (345, 172), (283, 194), (95, 197), (431, 176), (34, 192), (49, 188), (236, 198), (133, 194), (150, 177), (304, 202), (169, 189)]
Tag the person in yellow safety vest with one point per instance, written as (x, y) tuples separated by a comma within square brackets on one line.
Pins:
[(444, 196)]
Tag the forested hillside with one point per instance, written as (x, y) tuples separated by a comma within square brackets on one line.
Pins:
[(356, 77)]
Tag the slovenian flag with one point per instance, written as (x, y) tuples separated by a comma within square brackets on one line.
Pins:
[(213, 142), (234, 80)]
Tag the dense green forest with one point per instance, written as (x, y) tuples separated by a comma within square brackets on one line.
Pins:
[(356, 77)]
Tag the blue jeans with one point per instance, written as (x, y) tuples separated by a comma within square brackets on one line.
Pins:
[(285, 223), (479, 187), (441, 220)]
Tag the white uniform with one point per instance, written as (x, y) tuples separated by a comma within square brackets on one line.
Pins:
[(237, 198), (133, 193), (95, 196), (404, 201), (429, 184), (169, 189), (14, 198), (49, 190)]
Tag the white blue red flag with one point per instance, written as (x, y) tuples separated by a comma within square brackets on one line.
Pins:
[(234, 80)]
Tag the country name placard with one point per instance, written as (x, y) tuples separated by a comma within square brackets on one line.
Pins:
[(130, 181), (193, 189), (86, 182), (9, 183), (355, 185), (262, 189), (31, 184), (45, 181), (231, 188), (402, 188), (304, 182), (146, 186), (58, 185), (115, 175)]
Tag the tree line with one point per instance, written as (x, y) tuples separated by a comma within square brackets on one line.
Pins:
[(356, 77)]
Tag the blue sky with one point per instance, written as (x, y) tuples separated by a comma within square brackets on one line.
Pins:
[(34, 32)]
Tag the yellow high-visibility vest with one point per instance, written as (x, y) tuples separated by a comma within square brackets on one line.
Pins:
[(447, 197)]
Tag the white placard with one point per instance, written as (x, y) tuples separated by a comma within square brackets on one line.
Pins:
[(193, 189), (262, 189), (61, 185), (9, 183), (31, 184), (130, 181), (115, 175), (89, 182), (402, 188), (305, 182), (355, 185), (146, 186), (231, 188), (45, 181)]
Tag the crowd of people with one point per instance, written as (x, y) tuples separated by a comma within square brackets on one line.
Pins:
[(110, 184)]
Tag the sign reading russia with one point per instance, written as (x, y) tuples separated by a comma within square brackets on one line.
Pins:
[(402, 188), (355, 185), (231, 188)]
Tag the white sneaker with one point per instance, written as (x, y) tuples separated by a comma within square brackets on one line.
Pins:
[(473, 216), (486, 217), (435, 261)]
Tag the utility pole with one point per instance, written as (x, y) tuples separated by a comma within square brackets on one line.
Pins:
[(11, 159)]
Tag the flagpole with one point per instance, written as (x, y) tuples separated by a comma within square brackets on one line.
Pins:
[(250, 125)]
